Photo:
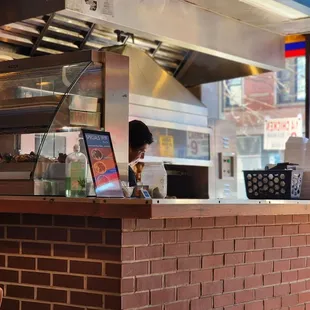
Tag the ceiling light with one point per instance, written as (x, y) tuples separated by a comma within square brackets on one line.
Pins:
[(277, 8)]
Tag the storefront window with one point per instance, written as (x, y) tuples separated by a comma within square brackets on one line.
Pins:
[(291, 82), (301, 80), (266, 109), (233, 93)]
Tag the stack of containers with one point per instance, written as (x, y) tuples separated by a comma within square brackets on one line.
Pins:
[(297, 151)]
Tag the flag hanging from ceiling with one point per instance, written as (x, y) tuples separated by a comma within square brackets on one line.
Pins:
[(295, 45)]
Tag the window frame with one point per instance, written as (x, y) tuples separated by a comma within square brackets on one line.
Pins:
[(226, 99), (294, 82)]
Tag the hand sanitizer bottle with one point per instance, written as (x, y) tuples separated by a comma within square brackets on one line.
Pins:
[(76, 173)]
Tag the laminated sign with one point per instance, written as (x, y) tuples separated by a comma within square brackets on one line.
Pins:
[(166, 146), (197, 145), (278, 130), (94, 7)]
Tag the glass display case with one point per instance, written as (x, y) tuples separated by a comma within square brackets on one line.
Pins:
[(44, 103)]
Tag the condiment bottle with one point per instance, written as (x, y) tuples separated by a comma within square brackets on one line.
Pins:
[(76, 173)]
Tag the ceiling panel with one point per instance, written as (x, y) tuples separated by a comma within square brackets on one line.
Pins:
[(54, 34), (259, 17), (240, 11)]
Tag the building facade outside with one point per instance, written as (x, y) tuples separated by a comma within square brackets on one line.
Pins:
[(266, 108)]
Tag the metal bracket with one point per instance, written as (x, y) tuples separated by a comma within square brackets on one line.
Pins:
[(124, 36), (182, 63), (157, 48), (42, 34), (88, 34)]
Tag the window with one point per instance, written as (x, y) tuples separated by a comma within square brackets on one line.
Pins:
[(55, 143), (260, 98), (249, 146), (291, 82), (233, 93), (301, 78)]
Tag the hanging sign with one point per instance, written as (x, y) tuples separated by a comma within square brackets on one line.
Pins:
[(278, 130), (166, 146), (198, 145), (93, 7)]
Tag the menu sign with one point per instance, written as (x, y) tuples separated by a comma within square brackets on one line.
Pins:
[(198, 145), (278, 130), (166, 146), (103, 164)]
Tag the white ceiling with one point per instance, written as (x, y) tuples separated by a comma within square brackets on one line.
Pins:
[(254, 16)]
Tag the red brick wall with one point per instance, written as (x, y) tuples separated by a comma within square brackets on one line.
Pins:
[(228, 263), (59, 263)]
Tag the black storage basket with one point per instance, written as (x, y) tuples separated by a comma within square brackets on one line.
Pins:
[(273, 184)]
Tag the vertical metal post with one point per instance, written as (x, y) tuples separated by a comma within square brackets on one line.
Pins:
[(115, 115), (307, 76)]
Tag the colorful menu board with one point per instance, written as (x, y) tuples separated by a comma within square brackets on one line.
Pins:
[(102, 163)]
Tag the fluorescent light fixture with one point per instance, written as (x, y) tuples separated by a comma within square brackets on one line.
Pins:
[(276, 8)]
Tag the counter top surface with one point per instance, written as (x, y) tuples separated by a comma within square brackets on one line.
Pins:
[(141, 208)]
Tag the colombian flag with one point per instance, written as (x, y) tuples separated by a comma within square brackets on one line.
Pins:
[(295, 46)]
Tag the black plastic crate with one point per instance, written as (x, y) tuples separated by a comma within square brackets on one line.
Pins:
[(273, 184)]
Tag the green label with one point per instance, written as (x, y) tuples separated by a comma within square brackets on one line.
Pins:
[(77, 173)]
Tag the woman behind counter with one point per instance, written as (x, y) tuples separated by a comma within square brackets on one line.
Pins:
[(140, 138)]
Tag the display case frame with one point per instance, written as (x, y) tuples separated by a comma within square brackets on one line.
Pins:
[(18, 178)]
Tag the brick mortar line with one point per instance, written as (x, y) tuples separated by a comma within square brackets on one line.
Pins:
[(53, 242), (57, 288), (156, 259), (193, 222), (53, 273), (50, 303), (58, 258), (79, 259), (38, 226), (219, 252)]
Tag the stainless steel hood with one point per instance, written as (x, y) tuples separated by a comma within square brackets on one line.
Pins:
[(149, 80), (201, 68), (195, 45)]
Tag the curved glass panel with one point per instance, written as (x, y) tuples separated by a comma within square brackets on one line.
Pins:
[(28, 103), (41, 113), (80, 107)]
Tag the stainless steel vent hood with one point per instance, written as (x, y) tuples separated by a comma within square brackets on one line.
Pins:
[(195, 45), (149, 80), (202, 68)]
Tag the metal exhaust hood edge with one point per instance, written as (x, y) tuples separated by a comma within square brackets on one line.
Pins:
[(221, 47)]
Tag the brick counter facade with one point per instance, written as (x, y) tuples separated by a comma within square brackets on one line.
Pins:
[(226, 263), (59, 262)]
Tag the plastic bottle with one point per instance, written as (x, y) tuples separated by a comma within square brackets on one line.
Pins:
[(76, 173)]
